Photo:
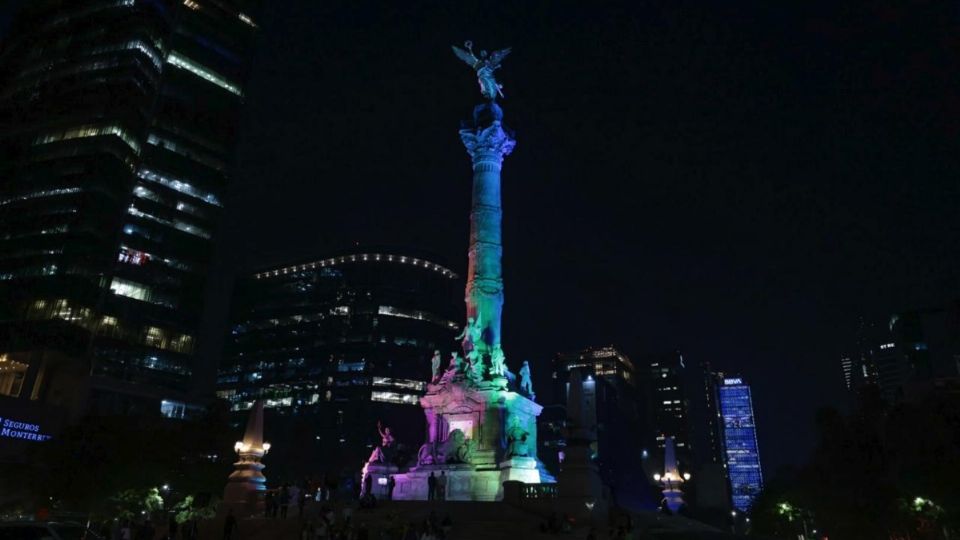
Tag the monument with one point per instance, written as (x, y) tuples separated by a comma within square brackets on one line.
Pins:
[(481, 420), (671, 479), (246, 484)]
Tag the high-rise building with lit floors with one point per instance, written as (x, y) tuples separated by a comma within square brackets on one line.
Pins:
[(739, 440), (333, 346), (117, 120), (624, 436), (671, 407)]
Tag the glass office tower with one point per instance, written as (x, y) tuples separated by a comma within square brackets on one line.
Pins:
[(739, 441), (334, 345), (118, 118)]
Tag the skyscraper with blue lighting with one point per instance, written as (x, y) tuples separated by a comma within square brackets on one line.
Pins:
[(740, 452)]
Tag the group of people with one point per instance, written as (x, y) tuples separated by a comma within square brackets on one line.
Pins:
[(330, 524), (144, 529), (277, 501), (437, 487)]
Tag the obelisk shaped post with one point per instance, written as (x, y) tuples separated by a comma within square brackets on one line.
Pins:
[(487, 143), (246, 484)]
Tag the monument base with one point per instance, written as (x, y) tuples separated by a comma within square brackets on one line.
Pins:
[(467, 482)]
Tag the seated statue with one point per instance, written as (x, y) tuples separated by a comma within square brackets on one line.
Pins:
[(517, 440), (384, 452)]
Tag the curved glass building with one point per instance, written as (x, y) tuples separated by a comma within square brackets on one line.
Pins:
[(333, 346)]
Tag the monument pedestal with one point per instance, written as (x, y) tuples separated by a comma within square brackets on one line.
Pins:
[(380, 476), (479, 436)]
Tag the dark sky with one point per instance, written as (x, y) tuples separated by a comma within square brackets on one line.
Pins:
[(739, 180)]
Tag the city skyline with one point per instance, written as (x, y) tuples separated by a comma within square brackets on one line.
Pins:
[(701, 179), (746, 220)]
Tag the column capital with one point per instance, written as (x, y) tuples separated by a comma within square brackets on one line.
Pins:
[(487, 145)]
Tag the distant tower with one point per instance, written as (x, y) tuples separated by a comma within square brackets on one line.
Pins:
[(741, 453)]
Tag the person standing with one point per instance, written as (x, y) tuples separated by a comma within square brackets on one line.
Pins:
[(229, 525), (391, 483), (295, 496), (442, 486), (431, 487), (367, 485), (268, 501), (284, 501)]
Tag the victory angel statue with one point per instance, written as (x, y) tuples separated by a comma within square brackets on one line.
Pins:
[(485, 65)]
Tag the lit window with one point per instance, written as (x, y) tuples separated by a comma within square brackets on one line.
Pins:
[(179, 185), (414, 314), (39, 194), (90, 131), (183, 62), (394, 397), (182, 343), (130, 289), (398, 383), (12, 375), (132, 256), (155, 337), (243, 17), (176, 223)]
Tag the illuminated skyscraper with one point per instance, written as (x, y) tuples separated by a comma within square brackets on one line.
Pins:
[(739, 440), (119, 117), (334, 345), (671, 408)]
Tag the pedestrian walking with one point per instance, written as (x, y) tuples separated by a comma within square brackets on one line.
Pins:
[(391, 483)]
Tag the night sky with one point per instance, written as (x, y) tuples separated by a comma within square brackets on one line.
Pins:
[(739, 180)]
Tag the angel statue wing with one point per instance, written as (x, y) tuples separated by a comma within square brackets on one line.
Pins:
[(497, 57), (467, 56)]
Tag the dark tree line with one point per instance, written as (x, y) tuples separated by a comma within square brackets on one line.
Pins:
[(879, 472)]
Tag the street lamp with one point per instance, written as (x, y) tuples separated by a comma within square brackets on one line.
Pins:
[(686, 476), (656, 477)]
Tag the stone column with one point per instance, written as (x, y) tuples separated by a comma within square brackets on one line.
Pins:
[(246, 484), (487, 143)]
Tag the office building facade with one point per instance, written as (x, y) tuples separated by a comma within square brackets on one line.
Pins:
[(624, 443), (737, 436), (906, 349), (335, 345), (670, 404), (119, 122)]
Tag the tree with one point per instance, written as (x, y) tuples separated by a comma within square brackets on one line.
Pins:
[(101, 461), (879, 472)]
